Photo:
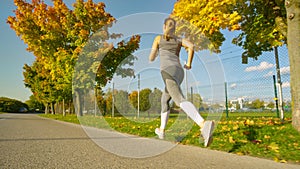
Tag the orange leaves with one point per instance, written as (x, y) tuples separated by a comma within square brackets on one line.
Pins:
[(56, 35), (235, 27)]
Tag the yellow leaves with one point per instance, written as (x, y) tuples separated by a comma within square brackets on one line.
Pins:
[(240, 153), (249, 122), (235, 27), (243, 141), (234, 18), (231, 140), (235, 127), (276, 159), (209, 17), (274, 147)]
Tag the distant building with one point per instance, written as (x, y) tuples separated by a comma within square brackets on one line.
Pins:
[(238, 103)]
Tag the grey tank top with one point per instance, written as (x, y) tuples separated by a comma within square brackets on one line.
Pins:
[(169, 53)]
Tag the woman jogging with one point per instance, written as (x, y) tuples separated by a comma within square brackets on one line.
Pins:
[(168, 47)]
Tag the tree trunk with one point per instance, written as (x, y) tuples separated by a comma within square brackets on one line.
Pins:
[(56, 106), (52, 109), (63, 108), (46, 108), (293, 41), (70, 110), (78, 103)]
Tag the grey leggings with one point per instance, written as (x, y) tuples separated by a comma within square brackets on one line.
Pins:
[(172, 89)]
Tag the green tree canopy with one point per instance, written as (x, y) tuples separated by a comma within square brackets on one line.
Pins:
[(11, 105)]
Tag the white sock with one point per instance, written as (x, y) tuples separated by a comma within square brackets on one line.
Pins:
[(164, 119), (191, 111)]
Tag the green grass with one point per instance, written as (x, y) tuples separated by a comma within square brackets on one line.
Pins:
[(255, 134)]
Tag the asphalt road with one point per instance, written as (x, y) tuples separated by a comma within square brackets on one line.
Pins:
[(28, 141)]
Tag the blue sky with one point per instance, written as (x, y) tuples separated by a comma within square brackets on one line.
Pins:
[(13, 50), (210, 71)]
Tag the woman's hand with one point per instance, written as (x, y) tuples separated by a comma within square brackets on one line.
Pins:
[(188, 67)]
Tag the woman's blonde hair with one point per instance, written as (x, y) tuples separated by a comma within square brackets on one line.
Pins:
[(170, 26)]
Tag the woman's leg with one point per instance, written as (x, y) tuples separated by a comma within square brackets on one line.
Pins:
[(177, 96), (165, 110)]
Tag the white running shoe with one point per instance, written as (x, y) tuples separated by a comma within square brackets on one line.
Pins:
[(207, 132), (161, 135)]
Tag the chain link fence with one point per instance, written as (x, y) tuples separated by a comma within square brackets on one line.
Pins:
[(247, 87), (255, 86)]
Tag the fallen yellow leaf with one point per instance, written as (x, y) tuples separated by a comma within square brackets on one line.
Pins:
[(231, 140), (240, 153), (283, 161), (273, 146)]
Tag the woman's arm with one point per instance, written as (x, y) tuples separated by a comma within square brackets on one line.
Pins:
[(154, 49), (190, 48)]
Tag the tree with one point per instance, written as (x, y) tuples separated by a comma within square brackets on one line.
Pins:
[(196, 99), (257, 104), (108, 102), (144, 102), (262, 25), (155, 100), (57, 36), (34, 104), (271, 105), (144, 99), (204, 21), (133, 99), (99, 62), (293, 41), (12, 105), (122, 102), (260, 28)]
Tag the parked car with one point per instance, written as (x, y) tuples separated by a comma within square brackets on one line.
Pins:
[(23, 110)]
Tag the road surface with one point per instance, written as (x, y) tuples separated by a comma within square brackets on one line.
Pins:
[(29, 141)]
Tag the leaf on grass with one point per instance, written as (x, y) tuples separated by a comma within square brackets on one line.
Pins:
[(240, 153), (231, 140), (249, 122), (236, 127), (243, 141), (283, 161), (273, 146), (279, 161)]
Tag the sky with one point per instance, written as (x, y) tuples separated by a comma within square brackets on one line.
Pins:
[(144, 17), (13, 50)]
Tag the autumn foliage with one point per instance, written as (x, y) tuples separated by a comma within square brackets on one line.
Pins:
[(261, 24), (56, 36)]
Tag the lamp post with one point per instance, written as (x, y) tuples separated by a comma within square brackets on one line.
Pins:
[(138, 111)]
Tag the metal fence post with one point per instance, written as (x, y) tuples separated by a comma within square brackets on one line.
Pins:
[(276, 98), (226, 100), (279, 84)]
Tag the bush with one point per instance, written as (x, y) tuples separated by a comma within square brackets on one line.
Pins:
[(12, 106)]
